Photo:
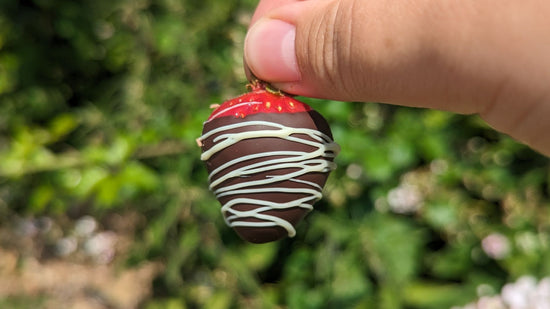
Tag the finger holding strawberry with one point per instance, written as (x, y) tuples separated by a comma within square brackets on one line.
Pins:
[(468, 57)]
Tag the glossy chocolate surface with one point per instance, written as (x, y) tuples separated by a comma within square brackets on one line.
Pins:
[(254, 187)]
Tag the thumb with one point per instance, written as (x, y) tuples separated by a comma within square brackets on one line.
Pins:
[(335, 49), (467, 57), (352, 50)]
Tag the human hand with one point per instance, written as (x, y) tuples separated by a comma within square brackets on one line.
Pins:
[(462, 56)]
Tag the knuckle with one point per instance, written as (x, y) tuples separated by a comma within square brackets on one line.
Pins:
[(328, 46)]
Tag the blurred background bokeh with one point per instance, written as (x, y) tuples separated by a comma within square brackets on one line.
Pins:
[(104, 200)]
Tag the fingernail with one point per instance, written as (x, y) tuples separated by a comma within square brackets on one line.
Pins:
[(270, 51)]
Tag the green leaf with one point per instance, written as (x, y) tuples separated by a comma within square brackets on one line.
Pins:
[(392, 246), (258, 257), (220, 300), (62, 125), (434, 295)]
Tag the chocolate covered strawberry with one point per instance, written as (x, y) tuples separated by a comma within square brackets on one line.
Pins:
[(268, 157)]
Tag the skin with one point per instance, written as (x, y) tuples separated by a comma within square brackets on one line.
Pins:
[(469, 57)]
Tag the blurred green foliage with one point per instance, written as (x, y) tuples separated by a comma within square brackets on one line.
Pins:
[(100, 105)]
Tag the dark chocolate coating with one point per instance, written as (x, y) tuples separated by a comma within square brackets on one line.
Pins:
[(309, 120)]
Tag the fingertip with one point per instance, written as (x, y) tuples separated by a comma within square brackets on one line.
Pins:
[(269, 51)]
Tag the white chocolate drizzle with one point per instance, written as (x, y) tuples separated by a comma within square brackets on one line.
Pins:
[(236, 106), (298, 162)]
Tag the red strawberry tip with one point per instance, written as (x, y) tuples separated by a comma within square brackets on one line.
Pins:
[(262, 98)]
